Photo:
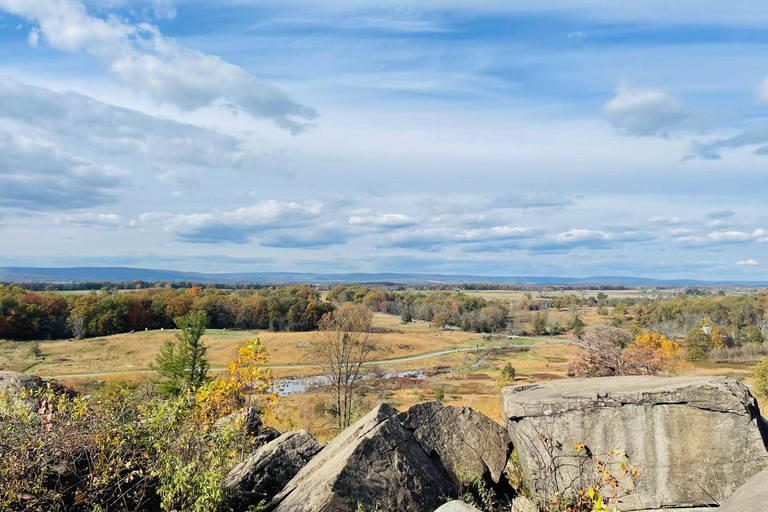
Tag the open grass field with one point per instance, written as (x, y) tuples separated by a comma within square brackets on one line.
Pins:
[(134, 352)]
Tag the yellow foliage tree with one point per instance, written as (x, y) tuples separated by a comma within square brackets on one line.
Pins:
[(247, 384), (716, 338), (653, 353)]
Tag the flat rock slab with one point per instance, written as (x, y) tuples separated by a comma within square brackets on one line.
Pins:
[(393, 461), (752, 496), (693, 439)]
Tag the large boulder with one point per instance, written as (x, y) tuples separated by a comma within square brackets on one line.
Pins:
[(690, 438), (266, 471), (13, 382), (457, 506), (751, 496), (523, 504), (465, 441), (395, 462)]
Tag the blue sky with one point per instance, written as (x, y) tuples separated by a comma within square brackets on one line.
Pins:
[(505, 138)]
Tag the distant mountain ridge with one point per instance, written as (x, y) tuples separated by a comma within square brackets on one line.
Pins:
[(121, 274)]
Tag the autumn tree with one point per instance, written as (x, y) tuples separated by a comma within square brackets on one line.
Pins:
[(602, 355), (760, 379), (539, 324), (697, 343), (610, 351), (577, 325), (342, 346), (652, 353)]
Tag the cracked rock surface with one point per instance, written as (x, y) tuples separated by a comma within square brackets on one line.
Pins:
[(753, 495), (396, 461), (266, 471), (693, 439)]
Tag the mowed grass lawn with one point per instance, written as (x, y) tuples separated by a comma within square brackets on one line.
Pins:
[(135, 352)]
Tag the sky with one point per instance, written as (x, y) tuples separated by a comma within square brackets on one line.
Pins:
[(495, 137)]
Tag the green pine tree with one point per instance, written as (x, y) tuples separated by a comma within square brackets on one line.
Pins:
[(183, 364)]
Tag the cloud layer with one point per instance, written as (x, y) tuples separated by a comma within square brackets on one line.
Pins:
[(142, 58)]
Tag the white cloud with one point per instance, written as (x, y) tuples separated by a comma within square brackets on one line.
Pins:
[(748, 263), (36, 174), (715, 238), (638, 111), (738, 236), (667, 221), (164, 9), (103, 220), (142, 58), (238, 226), (72, 117), (497, 233), (382, 220)]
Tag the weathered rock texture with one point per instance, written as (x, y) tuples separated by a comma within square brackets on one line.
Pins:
[(522, 504), (457, 506), (249, 419), (691, 438), (268, 469), (464, 440), (404, 462), (752, 496), (12, 382)]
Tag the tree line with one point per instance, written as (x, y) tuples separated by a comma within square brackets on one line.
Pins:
[(710, 324), (27, 315), (467, 312)]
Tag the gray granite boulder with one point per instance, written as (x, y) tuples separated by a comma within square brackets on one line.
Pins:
[(392, 461), (266, 471), (752, 496), (457, 506), (523, 504), (464, 440), (691, 438), (13, 382)]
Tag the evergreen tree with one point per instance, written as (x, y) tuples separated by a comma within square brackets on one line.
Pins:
[(183, 363)]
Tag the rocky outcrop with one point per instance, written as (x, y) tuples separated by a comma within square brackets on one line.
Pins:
[(463, 439), (522, 504), (457, 506), (691, 438), (404, 462), (13, 382), (266, 471), (752, 496), (249, 419)]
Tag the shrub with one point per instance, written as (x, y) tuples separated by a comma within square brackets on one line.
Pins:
[(116, 452), (760, 379), (507, 375)]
